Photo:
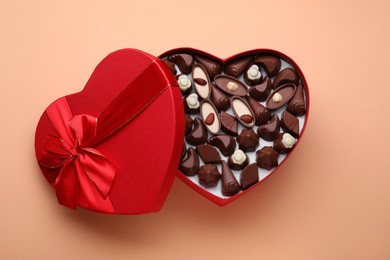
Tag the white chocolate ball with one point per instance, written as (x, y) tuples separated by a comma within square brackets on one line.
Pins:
[(277, 97), (239, 157), (288, 140)]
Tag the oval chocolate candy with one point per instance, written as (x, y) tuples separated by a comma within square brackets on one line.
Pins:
[(231, 85), (280, 96), (243, 111), (202, 83), (210, 117)]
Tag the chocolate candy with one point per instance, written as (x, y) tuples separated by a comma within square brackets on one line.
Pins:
[(249, 176), (230, 185), (213, 68), (270, 130), (189, 122), (243, 112), (210, 117), (231, 85), (183, 61), (190, 165), (191, 104), (248, 140), (261, 92), (261, 113), (171, 66), (238, 160), (198, 135), (225, 143), (202, 84), (288, 75), (220, 100), (280, 96), (271, 64), (236, 68), (290, 124), (296, 105), (184, 83), (253, 75), (229, 124), (183, 151), (208, 153), (284, 143), (208, 175), (267, 157)]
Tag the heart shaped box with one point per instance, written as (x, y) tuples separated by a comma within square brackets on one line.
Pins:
[(226, 200)]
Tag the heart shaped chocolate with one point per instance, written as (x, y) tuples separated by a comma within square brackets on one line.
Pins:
[(261, 91)]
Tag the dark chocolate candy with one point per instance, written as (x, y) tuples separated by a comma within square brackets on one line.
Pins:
[(191, 104), (213, 67), (209, 175), (208, 153), (190, 165), (267, 157), (243, 111), (202, 83), (280, 96), (248, 140), (271, 64), (261, 92), (189, 123), (238, 160), (249, 176), (210, 117), (297, 103), (252, 75), (284, 143), (261, 113), (183, 61), (288, 75), (229, 124), (183, 151), (270, 130), (231, 85), (171, 66), (225, 143), (230, 185), (236, 68), (198, 135), (290, 124), (220, 100)]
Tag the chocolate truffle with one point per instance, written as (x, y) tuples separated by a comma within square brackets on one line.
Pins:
[(249, 176), (220, 100), (191, 104), (243, 111), (171, 66), (190, 165), (270, 130), (267, 157), (297, 103), (183, 61), (261, 92), (236, 67), (208, 153), (238, 160), (213, 67), (253, 75), (209, 175), (189, 123), (225, 143), (284, 143), (230, 185), (261, 113), (248, 140), (280, 96), (198, 135), (271, 64), (229, 124), (210, 117), (185, 84), (288, 75), (290, 124), (231, 85)]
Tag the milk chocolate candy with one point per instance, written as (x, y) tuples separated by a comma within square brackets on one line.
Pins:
[(238, 160), (190, 165), (261, 113), (252, 75), (261, 91), (208, 153), (243, 111), (271, 64), (270, 130), (183, 151), (284, 143), (230, 185), (213, 68), (267, 157), (202, 84), (191, 104), (236, 68), (231, 85), (288, 75), (229, 124), (198, 135), (280, 96), (225, 143), (249, 176), (220, 100), (248, 140), (209, 175), (188, 123), (210, 117), (297, 105), (171, 66), (290, 124), (183, 61)]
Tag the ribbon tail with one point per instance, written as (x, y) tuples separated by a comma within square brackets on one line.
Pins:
[(66, 186)]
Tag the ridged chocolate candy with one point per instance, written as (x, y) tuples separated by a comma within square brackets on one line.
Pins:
[(297, 105), (230, 185), (229, 124), (220, 100), (236, 68), (248, 140), (261, 113), (213, 67)]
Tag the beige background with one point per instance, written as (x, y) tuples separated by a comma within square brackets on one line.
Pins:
[(331, 200)]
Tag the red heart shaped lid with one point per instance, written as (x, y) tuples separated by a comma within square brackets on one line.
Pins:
[(115, 146)]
